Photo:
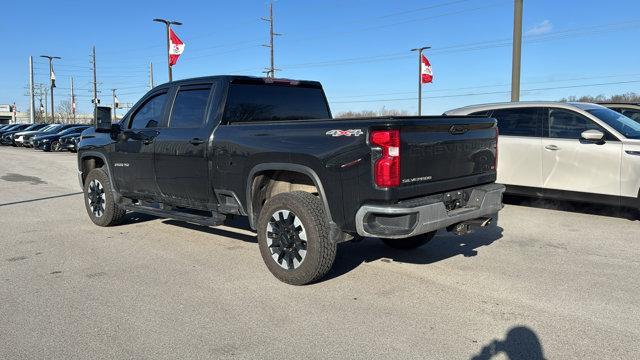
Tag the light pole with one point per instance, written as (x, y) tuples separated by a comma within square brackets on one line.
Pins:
[(419, 50), (168, 24), (517, 50), (52, 81)]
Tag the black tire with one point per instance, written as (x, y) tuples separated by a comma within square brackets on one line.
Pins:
[(410, 242), (55, 146), (309, 215), (110, 214)]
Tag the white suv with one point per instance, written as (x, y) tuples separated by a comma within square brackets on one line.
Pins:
[(573, 151)]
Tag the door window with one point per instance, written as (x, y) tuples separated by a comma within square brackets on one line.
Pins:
[(149, 115), (189, 108), (518, 122), (632, 114), (566, 124)]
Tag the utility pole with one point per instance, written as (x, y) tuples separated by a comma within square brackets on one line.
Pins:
[(271, 70), (168, 24), (115, 104), (73, 102), (150, 75), (43, 89), (95, 100), (517, 50), (52, 79), (419, 50), (32, 115)]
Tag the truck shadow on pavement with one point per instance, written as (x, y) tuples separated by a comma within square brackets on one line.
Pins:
[(443, 246), (569, 206), (238, 223), (353, 254), (520, 343)]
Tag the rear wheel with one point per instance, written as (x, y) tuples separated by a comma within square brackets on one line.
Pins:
[(99, 200), (410, 242), (294, 239)]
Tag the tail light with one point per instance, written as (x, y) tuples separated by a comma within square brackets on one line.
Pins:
[(386, 170)]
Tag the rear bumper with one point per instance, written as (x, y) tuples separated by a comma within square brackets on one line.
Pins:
[(420, 216)]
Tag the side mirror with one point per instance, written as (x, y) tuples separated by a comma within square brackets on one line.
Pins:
[(592, 135), (102, 116)]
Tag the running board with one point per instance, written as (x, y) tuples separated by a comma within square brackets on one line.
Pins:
[(214, 220)]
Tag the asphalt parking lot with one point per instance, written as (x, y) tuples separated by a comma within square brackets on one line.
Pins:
[(549, 280)]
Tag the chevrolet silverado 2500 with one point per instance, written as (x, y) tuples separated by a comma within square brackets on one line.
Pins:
[(203, 149)]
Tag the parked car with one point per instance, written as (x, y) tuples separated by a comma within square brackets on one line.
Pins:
[(574, 151), (51, 142), (201, 149), (19, 137), (33, 140), (50, 129), (69, 142), (630, 110), (12, 127), (9, 137)]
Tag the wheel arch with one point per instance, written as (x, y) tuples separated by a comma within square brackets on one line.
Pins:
[(294, 168), (92, 160)]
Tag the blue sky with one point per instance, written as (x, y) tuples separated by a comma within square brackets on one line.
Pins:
[(359, 50)]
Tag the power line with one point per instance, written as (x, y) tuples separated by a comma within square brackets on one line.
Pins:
[(468, 47), (487, 86), (489, 93)]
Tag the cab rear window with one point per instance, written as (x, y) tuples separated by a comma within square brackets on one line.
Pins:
[(274, 102)]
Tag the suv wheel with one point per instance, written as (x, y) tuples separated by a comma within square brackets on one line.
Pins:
[(293, 235), (99, 201), (410, 242)]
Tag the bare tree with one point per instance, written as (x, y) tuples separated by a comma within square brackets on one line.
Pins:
[(64, 112), (629, 97), (372, 113)]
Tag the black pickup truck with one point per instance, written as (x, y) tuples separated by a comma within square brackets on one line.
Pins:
[(203, 149)]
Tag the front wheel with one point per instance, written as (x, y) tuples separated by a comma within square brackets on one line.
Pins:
[(55, 146), (410, 242), (99, 201), (293, 235)]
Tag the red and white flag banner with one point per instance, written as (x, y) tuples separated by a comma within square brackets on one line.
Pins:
[(426, 74), (176, 47)]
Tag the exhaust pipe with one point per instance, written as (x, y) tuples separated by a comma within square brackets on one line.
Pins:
[(465, 227)]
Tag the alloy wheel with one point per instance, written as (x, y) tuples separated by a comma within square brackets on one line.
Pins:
[(97, 198), (287, 239)]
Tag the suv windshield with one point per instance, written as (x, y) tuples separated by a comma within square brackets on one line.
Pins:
[(625, 126)]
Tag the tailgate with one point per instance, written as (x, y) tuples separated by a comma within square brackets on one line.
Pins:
[(449, 148)]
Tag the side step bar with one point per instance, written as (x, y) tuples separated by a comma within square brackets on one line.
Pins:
[(213, 220)]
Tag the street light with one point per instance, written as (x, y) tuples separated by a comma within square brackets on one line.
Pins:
[(419, 50), (168, 24), (52, 81)]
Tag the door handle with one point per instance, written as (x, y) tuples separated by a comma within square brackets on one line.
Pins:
[(196, 141), (552, 147)]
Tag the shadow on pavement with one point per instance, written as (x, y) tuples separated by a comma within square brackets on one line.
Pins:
[(570, 206), (443, 246), (135, 217), (353, 254), (520, 343), (238, 223), (40, 199)]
